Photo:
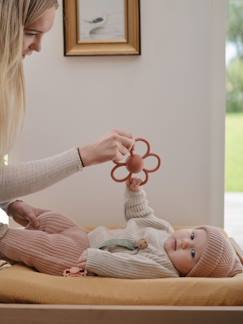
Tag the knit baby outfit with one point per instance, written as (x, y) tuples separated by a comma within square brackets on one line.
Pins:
[(59, 242), (53, 247), (121, 262)]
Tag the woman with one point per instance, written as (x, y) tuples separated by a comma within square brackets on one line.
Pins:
[(23, 23)]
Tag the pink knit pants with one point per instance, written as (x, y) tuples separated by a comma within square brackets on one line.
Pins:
[(56, 245)]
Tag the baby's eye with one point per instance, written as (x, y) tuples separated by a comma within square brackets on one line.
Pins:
[(193, 253), (192, 236)]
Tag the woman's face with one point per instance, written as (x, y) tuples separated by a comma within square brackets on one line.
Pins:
[(34, 32)]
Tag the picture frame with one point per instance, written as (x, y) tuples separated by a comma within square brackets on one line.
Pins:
[(101, 27)]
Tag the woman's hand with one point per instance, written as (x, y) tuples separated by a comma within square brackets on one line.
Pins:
[(112, 147), (133, 184), (24, 214)]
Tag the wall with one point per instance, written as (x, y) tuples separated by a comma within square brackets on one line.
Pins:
[(173, 95)]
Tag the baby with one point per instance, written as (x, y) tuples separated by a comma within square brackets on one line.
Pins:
[(147, 247)]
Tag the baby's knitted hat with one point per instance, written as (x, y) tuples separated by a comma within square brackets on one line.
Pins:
[(219, 258)]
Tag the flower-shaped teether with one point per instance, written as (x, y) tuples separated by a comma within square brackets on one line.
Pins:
[(135, 163)]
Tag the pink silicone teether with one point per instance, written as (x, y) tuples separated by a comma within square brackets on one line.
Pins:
[(135, 163)]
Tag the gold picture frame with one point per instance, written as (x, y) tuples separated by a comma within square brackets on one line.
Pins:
[(101, 27)]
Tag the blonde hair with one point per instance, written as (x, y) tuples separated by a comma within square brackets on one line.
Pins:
[(14, 16)]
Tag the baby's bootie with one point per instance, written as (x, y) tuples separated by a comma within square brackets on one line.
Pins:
[(3, 230)]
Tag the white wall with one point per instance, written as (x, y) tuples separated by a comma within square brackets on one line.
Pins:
[(173, 95)]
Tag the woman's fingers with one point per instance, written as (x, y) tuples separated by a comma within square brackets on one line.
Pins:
[(122, 146), (120, 153), (28, 212), (33, 222), (122, 133), (112, 147), (20, 220), (118, 157), (123, 150), (125, 141)]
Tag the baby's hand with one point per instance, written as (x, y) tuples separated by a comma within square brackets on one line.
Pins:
[(133, 184)]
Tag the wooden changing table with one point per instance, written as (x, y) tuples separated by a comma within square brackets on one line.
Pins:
[(91, 314)]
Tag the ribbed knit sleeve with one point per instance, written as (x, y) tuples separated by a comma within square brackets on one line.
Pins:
[(136, 204), (26, 178), (123, 265), (137, 207)]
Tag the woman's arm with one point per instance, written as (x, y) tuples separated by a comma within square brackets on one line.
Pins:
[(26, 178)]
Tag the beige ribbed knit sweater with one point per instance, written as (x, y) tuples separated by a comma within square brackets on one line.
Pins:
[(152, 262), (26, 178)]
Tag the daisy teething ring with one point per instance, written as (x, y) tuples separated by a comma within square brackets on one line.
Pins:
[(135, 163)]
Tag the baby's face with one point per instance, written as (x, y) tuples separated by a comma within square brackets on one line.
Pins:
[(185, 247)]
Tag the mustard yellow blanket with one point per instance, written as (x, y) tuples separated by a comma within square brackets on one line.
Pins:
[(19, 284)]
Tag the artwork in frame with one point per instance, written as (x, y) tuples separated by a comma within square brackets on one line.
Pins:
[(101, 27)]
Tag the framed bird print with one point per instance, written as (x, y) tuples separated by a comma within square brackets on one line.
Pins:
[(101, 27)]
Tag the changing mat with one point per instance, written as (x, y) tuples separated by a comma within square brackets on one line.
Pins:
[(19, 284)]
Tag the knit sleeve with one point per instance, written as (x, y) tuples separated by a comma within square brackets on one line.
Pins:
[(124, 265), (136, 204), (137, 207), (26, 178)]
